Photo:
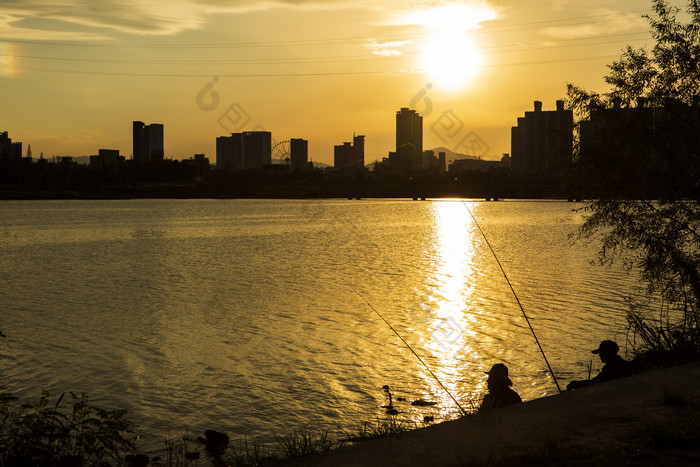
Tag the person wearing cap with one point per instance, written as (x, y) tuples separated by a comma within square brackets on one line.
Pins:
[(615, 366), (500, 394)]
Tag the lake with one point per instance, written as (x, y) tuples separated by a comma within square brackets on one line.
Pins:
[(255, 317)]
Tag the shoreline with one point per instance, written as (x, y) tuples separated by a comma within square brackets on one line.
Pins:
[(624, 416), (301, 189), (78, 197)]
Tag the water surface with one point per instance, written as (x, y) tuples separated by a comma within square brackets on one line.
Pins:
[(251, 316)]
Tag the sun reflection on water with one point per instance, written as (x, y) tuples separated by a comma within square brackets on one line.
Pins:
[(451, 330)]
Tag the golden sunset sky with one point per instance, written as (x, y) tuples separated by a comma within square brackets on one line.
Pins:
[(74, 74)]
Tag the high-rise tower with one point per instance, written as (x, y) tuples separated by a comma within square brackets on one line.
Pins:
[(229, 152), (409, 139), (349, 158), (257, 149), (148, 142), (298, 154), (542, 142), (250, 150)]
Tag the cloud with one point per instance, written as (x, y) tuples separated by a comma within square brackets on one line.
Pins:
[(140, 17), (610, 20), (22, 17), (445, 14), (18, 18), (387, 53), (386, 49), (11, 27)]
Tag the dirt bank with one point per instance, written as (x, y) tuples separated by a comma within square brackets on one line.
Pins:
[(649, 419)]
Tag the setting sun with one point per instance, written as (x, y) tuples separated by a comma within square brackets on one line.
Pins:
[(281, 228), (450, 56), (300, 69), (451, 59)]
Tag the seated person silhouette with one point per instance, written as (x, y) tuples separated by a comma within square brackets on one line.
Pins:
[(615, 367), (500, 394)]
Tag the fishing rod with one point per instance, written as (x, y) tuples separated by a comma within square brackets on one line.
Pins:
[(464, 412), (500, 266), (527, 320)]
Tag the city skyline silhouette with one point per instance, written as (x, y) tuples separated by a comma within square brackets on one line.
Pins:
[(70, 83)]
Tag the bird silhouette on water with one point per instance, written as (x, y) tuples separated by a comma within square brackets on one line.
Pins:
[(390, 410)]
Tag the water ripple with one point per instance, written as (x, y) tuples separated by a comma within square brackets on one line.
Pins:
[(242, 315)]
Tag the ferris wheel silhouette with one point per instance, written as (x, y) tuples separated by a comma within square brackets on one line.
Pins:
[(281, 152)]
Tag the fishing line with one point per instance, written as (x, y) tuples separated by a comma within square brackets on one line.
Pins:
[(409, 348), (505, 275), (483, 234)]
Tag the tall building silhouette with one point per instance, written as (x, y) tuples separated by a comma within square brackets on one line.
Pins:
[(250, 150), (409, 138), (542, 142), (442, 162), (229, 152), (148, 142), (298, 154), (106, 159), (257, 149), (8, 149), (350, 157), (629, 132), (358, 142), (641, 144)]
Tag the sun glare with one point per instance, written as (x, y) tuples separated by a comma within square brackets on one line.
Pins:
[(451, 58), (8, 62), (450, 55)]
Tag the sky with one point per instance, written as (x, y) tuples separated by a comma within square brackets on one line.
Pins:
[(75, 74)]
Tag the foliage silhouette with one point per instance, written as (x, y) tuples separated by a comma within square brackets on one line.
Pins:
[(61, 435), (636, 143)]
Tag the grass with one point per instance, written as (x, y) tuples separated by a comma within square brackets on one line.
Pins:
[(250, 455), (662, 337), (181, 452), (177, 452), (380, 428), (310, 440), (73, 432), (305, 442)]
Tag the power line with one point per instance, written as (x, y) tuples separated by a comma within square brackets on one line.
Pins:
[(254, 61), (538, 24), (323, 59), (194, 75), (309, 74), (331, 41)]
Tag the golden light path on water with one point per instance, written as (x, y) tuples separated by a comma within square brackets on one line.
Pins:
[(240, 317), (451, 329)]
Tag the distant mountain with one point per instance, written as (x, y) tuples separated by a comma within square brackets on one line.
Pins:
[(451, 155)]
